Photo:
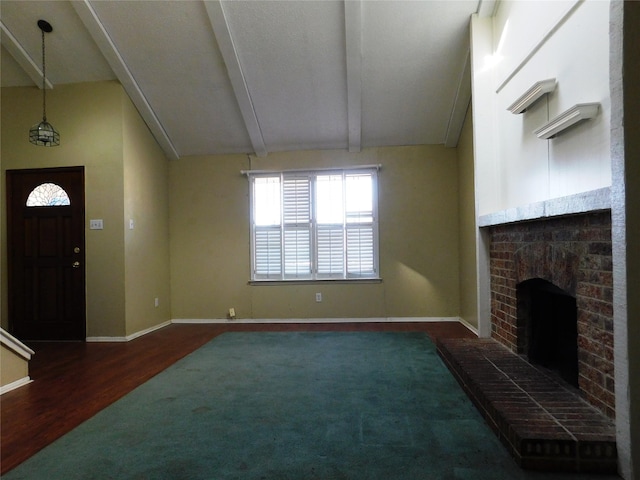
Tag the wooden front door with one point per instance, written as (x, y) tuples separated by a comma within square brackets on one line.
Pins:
[(45, 240)]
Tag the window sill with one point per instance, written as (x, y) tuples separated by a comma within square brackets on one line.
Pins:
[(343, 281)]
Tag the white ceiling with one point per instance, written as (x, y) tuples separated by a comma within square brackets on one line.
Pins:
[(215, 77)]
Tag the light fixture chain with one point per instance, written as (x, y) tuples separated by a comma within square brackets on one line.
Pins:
[(44, 82)]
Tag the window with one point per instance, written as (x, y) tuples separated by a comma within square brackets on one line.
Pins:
[(48, 195), (314, 225)]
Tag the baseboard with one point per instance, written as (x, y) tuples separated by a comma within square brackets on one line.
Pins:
[(471, 327), (128, 338), (317, 320), (13, 385), (278, 320), (105, 339), (148, 330)]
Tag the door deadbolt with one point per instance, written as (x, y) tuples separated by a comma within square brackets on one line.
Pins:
[(76, 250)]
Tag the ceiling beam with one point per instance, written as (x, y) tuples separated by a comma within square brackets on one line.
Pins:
[(460, 106), (99, 34), (221, 30), (353, 31), (21, 56)]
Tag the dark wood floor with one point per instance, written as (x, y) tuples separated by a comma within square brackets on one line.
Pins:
[(74, 381)]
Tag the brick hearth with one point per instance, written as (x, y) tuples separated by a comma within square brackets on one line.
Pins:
[(543, 424)]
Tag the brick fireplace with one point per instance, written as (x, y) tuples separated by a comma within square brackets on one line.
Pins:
[(571, 256)]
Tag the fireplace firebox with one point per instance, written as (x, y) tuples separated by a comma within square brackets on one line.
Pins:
[(548, 316)]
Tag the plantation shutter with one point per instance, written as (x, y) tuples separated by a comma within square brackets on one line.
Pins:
[(360, 251), (268, 257), (266, 224), (310, 225), (360, 225), (330, 225), (296, 201), (330, 251)]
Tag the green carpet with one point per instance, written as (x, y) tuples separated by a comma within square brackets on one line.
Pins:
[(297, 406)]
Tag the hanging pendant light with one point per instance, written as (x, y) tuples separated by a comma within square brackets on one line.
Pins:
[(43, 133)]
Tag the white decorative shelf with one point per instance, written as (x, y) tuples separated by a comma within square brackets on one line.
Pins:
[(575, 114), (532, 95)]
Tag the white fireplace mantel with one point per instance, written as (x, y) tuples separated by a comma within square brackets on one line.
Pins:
[(591, 201)]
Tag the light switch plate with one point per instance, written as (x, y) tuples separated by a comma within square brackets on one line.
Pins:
[(96, 224)]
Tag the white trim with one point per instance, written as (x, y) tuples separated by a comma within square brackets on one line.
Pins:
[(271, 242), (15, 345), (334, 281), (484, 145), (483, 279), (460, 105), (128, 338), (148, 330), (318, 320), (487, 8), (313, 170), (13, 385), (105, 339)]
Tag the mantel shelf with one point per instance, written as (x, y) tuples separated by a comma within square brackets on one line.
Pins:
[(575, 114), (532, 95)]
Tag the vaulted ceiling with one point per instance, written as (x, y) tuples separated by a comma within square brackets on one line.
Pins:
[(214, 77)]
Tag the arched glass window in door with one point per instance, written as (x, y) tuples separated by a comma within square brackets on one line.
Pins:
[(48, 195)]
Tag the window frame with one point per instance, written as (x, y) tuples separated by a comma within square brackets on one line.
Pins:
[(314, 227)]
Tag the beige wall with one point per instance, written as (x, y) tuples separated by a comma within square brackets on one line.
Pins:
[(89, 119), (100, 130), (126, 179), (210, 258), (146, 202), (467, 225), (14, 367)]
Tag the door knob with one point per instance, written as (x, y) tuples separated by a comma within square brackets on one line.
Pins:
[(76, 264)]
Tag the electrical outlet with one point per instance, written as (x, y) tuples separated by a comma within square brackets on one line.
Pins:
[(232, 313), (156, 302), (318, 297)]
